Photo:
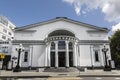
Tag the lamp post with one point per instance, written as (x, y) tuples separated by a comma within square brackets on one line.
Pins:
[(19, 49), (104, 50)]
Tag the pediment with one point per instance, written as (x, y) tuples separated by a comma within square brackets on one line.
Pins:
[(26, 28)]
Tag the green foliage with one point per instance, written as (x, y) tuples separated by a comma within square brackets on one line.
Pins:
[(115, 47)]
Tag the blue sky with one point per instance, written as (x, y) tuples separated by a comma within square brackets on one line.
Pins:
[(25, 12)]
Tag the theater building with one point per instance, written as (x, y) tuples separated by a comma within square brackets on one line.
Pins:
[(61, 42)]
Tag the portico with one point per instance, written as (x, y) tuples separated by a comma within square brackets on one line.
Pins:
[(61, 51)]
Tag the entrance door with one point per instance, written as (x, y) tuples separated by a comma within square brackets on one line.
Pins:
[(71, 59), (61, 59), (52, 59)]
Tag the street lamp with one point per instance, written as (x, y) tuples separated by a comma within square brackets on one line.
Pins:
[(19, 49), (104, 50)]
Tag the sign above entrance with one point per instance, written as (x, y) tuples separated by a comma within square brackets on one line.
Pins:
[(2, 56)]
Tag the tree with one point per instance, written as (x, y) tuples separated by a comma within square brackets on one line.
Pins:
[(115, 47)]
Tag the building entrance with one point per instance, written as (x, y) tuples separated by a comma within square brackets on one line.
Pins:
[(52, 59), (61, 59)]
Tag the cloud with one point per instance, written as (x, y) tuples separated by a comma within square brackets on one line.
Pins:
[(88, 5), (111, 8), (116, 27)]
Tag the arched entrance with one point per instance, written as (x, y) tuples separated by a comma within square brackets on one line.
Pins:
[(61, 50)]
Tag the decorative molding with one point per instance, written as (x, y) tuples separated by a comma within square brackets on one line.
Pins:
[(88, 42), (43, 42), (29, 42), (25, 31)]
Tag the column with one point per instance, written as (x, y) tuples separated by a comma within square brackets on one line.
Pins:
[(67, 53), (75, 54), (48, 55), (92, 55), (56, 53), (30, 55), (78, 55)]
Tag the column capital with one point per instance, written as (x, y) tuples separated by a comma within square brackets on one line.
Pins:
[(48, 43), (67, 42), (75, 43), (56, 42)]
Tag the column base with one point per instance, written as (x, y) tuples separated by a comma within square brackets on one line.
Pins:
[(17, 69)]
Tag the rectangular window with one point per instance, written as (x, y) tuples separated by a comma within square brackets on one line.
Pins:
[(10, 27), (10, 33), (4, 30), (26, 56), (5, 49), (3, 20), (3, 37), (96, 56)]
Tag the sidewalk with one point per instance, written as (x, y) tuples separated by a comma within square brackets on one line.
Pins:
[(88, 73)]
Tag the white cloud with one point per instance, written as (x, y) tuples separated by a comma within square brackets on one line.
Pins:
[(116, 27), (111, 8)]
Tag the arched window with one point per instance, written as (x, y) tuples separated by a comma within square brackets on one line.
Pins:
[(70, 45), (52, 45), (61, 33)]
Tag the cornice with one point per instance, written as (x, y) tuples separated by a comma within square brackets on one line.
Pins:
[(42, 42)]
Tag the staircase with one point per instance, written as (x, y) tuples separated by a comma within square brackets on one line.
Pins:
[(61, 69)]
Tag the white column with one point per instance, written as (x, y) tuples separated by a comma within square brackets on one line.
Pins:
[(30, 55), (75, 54), (92, 55), (67, 53), (56, 53), (48, 55)]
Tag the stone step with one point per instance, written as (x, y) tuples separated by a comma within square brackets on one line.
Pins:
[(65, 78), (61, 69)]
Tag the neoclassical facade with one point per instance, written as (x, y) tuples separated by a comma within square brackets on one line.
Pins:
[(61, 42)]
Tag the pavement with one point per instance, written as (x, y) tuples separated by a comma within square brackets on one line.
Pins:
[(33, 73)]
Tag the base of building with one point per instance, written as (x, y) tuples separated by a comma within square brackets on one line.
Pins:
[(61, 69), (107, 68)]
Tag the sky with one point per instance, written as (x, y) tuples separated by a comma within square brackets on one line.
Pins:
[(102, 13)]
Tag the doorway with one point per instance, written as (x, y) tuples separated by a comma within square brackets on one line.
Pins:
[(61, 59), (52, 59)]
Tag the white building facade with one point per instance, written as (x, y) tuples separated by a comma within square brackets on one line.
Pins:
[(6, 29), (61, 42), (6, 36)]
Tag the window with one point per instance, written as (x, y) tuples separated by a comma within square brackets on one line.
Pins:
[(26, 56), (3, 20), (3, 37), (5, 31), (9, 39), (52, 45), (61, 44), (96, 56), (10, 27), (10, 33), (70, 45), (5, 49)]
